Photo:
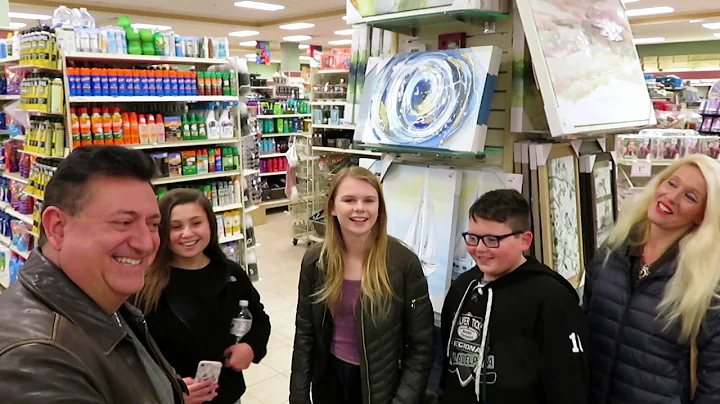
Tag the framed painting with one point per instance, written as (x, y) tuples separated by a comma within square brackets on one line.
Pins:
[(373, 10), (434, 100), (584, 56), (422, 207), (598, 190), (534, 198), (474, 185), (558, 179)]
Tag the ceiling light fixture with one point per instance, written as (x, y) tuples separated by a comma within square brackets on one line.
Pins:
[(244, 33), (248, 43), (712, 25), (629, 1), (695, 21), (297, 25), (344, 17), (303, 46), (251, 56), (716, 35), (643, 41), (649, 11), (344, 32), (27, 16), (14, 24), (305, 58), (259, 5), (151, 26), (341, 42), (297, 38)]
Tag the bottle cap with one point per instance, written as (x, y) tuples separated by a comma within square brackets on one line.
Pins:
[(244, 303)]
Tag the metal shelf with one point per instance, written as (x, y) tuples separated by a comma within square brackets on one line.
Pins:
[(336, 150), (269, 135), (267, 156), (9, 97), (196, 177), (17, 215), (283, 116), (143, 59), (339, 127), (198, 98), (276, 203), (9, 60), (181, 143), (43, 69), (230, 239), (225, 208), (270, 174), (15, 177)]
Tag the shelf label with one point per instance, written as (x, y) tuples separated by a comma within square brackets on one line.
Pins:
[(641, 169)]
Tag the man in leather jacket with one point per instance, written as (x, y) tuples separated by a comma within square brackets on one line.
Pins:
[(66, 333)]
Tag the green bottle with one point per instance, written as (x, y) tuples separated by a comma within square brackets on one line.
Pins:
[(185, 128), (193, 128), (236, 158), (202, 130), (279, 125)]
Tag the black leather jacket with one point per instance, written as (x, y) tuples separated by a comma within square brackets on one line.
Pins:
[(57, 345), (395, 351)]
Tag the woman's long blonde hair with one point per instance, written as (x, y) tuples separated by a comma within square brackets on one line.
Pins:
[(375, 285), (691, 290)]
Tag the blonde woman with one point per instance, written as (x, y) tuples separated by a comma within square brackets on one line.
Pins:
[(651, 295), (364, 326)]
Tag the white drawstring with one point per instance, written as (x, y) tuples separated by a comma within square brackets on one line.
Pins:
[(481, 358)]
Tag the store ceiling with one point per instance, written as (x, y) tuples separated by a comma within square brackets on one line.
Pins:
[(676, 26), (212, 17), (220, 17)]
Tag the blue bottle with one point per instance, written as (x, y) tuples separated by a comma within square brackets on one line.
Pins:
[(122, 84)]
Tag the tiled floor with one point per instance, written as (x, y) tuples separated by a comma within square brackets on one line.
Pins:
[(279, 267)]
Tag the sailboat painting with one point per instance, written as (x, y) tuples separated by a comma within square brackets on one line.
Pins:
[(421, 208), (474, 185)]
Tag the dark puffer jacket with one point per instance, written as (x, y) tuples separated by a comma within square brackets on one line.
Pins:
[(395, 352), (632, 359)]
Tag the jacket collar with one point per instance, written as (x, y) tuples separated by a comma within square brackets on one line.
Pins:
[(54, 288)]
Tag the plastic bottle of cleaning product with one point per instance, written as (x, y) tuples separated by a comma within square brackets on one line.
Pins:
[(117, 126), (97, 127), (226, 125), (202, 128), (152, 135), (193, 127), (75, 129), (85, 127), (143, 130), (107, 126), (87, 20), (126, 132), (159, 128), (185, 128), (211, 160), (62, 17), (134, 128), (211, 125)]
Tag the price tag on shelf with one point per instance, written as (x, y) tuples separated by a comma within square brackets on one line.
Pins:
[(641, 169)]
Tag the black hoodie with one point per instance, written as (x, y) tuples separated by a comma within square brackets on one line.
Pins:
[(531, 350)]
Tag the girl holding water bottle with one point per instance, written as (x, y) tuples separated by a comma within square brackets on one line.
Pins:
[(199, 305)]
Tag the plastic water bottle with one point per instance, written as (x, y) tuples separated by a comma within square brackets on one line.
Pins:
[(241, 324)]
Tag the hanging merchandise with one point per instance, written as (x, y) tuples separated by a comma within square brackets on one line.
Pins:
[(262, 49)]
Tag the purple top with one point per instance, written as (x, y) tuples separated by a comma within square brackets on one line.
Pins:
[(345, 344)]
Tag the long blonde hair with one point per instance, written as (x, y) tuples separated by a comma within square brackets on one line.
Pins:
[(689, 294), (375, 285)]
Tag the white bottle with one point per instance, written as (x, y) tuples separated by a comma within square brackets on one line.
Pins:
[(87, 20), (226, 125), (241, 324), (211, 125)]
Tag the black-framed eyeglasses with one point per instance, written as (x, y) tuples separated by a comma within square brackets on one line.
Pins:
[(490, 241)]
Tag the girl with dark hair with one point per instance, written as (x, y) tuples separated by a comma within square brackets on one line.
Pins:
[(191, 295)]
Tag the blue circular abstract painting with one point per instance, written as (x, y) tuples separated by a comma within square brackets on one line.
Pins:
[(426, 98)]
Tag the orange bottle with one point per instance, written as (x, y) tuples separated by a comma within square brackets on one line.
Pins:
[(97, 127), (117, 127), (126, 132), (75, 126), (134, 129), (85, 127), (107, 126)]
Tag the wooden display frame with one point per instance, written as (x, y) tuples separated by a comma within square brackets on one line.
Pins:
[(589, 200), (558, 151)]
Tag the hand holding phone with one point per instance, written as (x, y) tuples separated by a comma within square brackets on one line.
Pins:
[(201, 392), (208, 370)]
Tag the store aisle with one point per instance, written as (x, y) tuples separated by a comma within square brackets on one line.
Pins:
[(279, 266)]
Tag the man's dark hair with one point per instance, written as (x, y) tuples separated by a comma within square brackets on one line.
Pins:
[(505, 206), (67, 189)]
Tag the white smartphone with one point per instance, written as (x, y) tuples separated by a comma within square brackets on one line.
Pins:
[(208, 370)]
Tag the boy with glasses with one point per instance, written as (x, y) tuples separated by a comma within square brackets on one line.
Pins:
[(512, 328)]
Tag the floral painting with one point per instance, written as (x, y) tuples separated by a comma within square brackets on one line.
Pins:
[(584, 55), (368, 8), (564, 216), (605, 214)]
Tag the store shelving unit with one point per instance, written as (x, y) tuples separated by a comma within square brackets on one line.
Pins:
[(110, 60)]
